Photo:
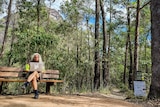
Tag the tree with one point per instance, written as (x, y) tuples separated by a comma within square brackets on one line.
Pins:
[(104, 58), (128, 45), (136, 42), (155, 50), (97, 57), (38, 12), (130, 81), (6, 28)]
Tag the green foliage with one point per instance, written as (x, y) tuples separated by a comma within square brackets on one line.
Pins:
[(71, 11), (32, 43)]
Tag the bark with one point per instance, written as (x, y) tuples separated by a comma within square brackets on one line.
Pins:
[(104, 58), (146, 65), (136, 44), (109, 43), (126, 51), (155, 49), (128, 45), (6, 28), (97, 59), (89, 52), (125, 62), (38, 13), (130, 80), (77, 45), (12, 41)]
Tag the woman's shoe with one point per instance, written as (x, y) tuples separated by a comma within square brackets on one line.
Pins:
[(36, 96), (24, 86)]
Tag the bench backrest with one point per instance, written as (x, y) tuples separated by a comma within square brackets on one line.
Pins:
[(14, 72)]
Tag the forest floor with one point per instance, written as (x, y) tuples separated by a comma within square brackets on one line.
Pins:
[(77, 100)]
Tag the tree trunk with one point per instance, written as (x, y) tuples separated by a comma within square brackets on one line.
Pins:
[(128, 45), (130, 80), (155, 49), (77, 45), (38, 13), (125, 62), (146, 65), (109, 43), (6, 28), (97, 59), (104, 62), (12, 41), (89, 56), (136, 45)]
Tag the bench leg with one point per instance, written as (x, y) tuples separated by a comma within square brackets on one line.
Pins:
[(1, 84), (48, 86)]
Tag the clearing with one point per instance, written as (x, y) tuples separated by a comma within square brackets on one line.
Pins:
[(64, 101)]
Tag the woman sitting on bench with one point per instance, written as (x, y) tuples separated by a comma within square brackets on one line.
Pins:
[(33, 76)]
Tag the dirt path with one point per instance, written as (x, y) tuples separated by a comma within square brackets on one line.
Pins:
[(62, 101)]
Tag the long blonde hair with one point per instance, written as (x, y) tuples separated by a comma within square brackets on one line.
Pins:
[(40, 58)]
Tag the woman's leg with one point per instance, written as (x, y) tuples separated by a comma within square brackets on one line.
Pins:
[(34, 83), (32, 76), (35, 86)]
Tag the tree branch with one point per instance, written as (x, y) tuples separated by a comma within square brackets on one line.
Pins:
[(145, 5)]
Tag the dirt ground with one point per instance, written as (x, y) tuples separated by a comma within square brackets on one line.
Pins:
[(64, 101)]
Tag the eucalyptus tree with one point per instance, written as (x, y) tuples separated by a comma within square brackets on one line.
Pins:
[(136, 42), (97, 56), (6, 27), (104, 58), (155, 53), (38, 15), (128, 45)]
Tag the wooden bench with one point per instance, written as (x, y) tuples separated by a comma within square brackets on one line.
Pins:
[(14, 74)]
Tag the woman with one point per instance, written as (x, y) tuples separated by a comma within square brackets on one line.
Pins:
[(33, 76)]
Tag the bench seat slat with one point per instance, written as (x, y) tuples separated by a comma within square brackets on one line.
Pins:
[(9, 74), (12, 80), (23, 80), (50, 80), (12, 69), (51, 72), (21, 74), (50, 76)]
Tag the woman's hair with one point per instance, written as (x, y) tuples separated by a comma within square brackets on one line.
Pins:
[(40, 58)]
